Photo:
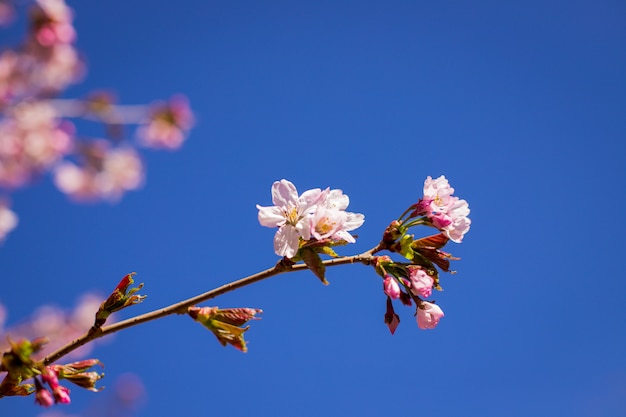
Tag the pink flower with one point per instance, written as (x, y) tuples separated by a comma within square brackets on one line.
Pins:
[(290, 214), (330, 220), (428, 315), (391, 287), (438, 190), (315, 214), (445, 211), (421, 282)]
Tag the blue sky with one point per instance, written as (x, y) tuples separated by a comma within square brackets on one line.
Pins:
[(520, 105)]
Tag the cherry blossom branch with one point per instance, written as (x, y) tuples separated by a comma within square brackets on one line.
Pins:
[(182, 306), (109, 113)]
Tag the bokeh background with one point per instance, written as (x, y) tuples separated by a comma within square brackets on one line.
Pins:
[(520, 104)]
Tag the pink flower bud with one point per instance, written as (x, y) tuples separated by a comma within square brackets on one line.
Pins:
[(61, 395), (391, 287), (43, 397), (421, 282), (50, 377), (428, 315)]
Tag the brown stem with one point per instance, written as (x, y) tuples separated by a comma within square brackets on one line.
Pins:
[(181, 307)]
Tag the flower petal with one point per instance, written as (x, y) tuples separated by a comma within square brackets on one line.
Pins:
[(284, 194), (353, 220), (271, 216), (286, 241)]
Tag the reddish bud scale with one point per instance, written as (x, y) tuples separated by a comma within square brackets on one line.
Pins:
[(125, 282), (120, 298)]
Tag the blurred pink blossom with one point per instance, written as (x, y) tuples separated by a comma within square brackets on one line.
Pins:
[(168, 124), (47, 62), (52, 22), (55, 68), (116, 171), (58, 325), (10, 83), (428, 315), (32, 139)]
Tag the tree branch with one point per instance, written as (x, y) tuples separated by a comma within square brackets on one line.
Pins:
[(181, 307)]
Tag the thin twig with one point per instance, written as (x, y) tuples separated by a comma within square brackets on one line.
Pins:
[(181, 307)]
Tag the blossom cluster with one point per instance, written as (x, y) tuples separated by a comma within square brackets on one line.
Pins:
[(414, 281), (446, 212), (309, 223), (315, 214), (37, 133)]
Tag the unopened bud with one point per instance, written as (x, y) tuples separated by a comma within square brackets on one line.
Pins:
[(120, 298)]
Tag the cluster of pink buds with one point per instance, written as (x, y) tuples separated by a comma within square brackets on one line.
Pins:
[(413, 281), (76, 373), (36, 134), (59, 395), (19, 366)]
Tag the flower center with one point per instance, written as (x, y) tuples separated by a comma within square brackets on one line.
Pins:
[(292, 216), (324, 226)]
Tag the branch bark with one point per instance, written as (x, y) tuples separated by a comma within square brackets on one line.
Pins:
[(182, 306)]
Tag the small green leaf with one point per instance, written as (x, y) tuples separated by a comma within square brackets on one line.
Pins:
[(326, 250), (405, 247), (314, 263)]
